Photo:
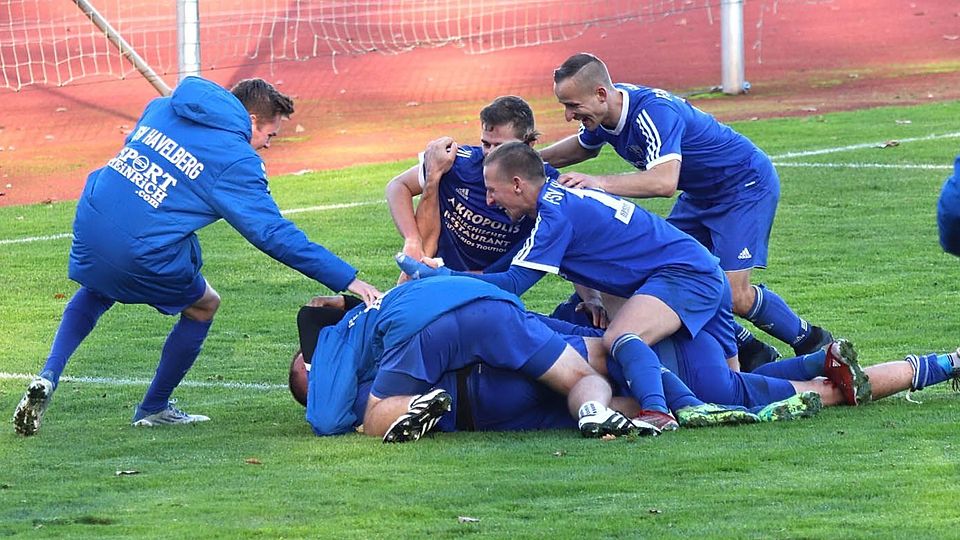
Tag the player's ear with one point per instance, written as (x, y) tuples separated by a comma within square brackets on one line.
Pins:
[(253, 120), (601, 94)]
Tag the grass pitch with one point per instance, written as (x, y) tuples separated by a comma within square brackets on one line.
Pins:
[(854, 249)]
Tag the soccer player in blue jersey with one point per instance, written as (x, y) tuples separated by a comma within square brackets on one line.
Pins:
[(611, 245), (730, 188), (190, 161), (483, 398), (948, 212), (420, 331), (674, 285), (490, 399), (452, 220)]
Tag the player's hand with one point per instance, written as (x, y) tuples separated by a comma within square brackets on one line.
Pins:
[(579, 180), (595, 312), (368, 293), (414, 249), (418, 270), (439, 156)]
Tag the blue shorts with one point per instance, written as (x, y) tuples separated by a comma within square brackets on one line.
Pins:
[(502, 400), (492, 332), (171, 305), (508, 401), (695, 297), (174, 305), (699, 362), (948, 215), (736, 232)]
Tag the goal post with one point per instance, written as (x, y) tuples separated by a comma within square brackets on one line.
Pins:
[(121, 44), (731, 47)]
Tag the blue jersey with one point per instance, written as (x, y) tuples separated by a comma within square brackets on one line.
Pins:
[(474, 236), (348, 355), (187, 163), (656, 126), (606, 243)]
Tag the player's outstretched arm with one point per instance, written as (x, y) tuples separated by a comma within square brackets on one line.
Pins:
[(566, 152), (658, 181)]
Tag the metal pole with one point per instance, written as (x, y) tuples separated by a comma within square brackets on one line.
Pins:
[(731, 46), (125, 49), (188, 38)]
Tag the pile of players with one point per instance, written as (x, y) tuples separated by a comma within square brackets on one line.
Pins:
[(647, 343)]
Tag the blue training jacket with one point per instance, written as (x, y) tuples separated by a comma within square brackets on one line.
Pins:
[(187, 163)]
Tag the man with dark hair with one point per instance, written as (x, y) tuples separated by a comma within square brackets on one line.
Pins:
[(730, 187), (452, 220), (190, 161)]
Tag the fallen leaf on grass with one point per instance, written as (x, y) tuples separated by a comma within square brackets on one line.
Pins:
[(560, 453), (59, 296), (128, 472), (467, 519), (608, 437), (888, 144), (253, 461)]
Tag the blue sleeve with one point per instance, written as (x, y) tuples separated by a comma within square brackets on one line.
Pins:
[(516, 279), (589, 139), (333, 387), (241, 196), (544, 250), (660, 125)]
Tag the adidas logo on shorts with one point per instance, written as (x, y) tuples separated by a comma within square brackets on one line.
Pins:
[(745, 254)]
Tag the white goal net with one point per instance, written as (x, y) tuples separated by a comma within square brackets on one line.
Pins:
[(52, 42)]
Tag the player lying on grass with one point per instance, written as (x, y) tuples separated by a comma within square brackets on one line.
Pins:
[(452, 220), (730, 187), (190, 161), (420, 331), (833, 372), (449, 326), (488, 399)]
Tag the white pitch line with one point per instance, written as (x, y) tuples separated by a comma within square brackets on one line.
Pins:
[(110, 381), (954, 135), (865, 166), (321, 208), (31, 239)]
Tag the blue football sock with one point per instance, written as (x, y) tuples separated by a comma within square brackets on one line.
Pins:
[(800, 368), (639, 368), (179, 353), (677, 394), (772, 315), (79, 318), (929, 369), (744, 336)]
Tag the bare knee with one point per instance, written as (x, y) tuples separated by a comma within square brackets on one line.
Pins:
[(205, 308)]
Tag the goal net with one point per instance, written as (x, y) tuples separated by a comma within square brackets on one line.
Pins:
[(53, 43)]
